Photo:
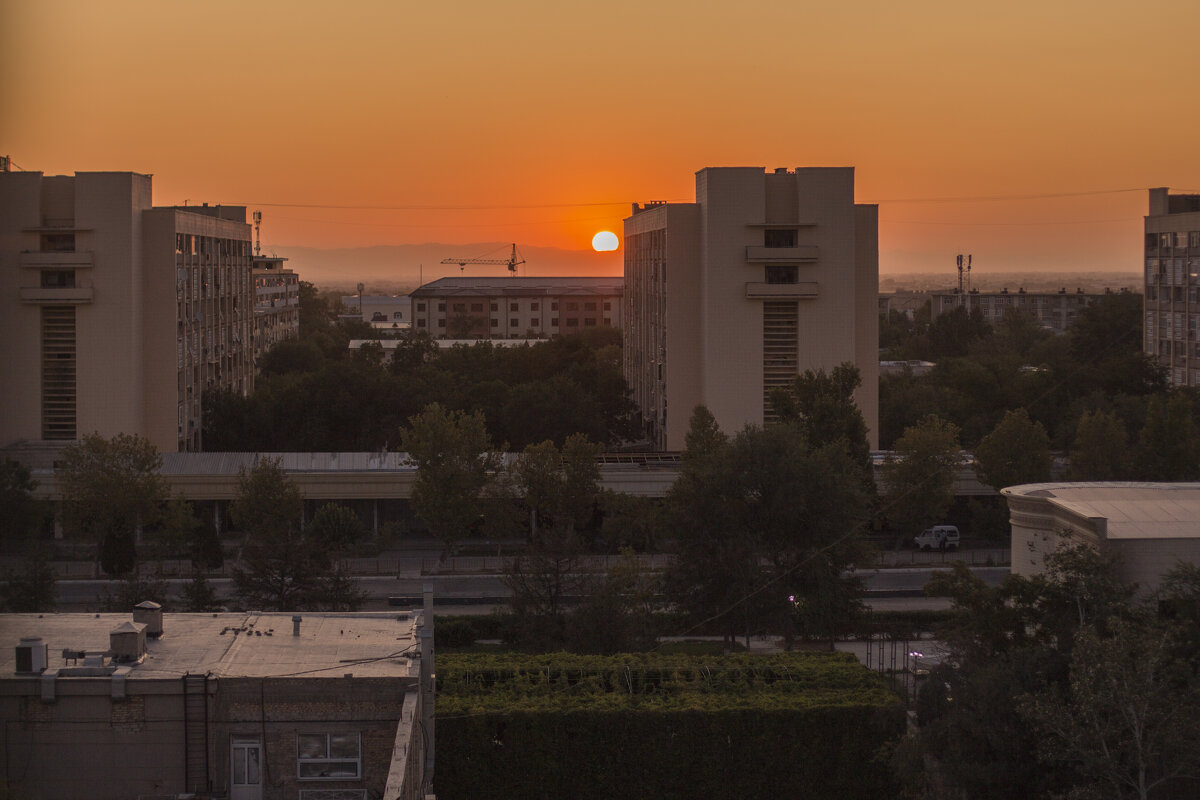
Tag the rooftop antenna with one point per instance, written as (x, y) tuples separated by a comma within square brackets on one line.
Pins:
[(964, 261), (960, 273), (257, 239)]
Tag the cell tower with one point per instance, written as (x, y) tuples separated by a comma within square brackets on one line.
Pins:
[(257, 239), (964, 261)]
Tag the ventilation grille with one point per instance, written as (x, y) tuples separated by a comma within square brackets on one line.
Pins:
[(58, 372), (781, 325)]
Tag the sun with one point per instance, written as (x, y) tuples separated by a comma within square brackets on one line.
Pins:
[(605, 240)]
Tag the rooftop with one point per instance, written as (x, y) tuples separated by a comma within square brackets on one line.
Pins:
[(521, 287), (1131, 510), (235, 645)]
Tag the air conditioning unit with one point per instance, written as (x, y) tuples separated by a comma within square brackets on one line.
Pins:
[(31, 656)]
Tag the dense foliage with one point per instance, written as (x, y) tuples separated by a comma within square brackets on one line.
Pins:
[(562, 726), (315, 394), (983, 372)]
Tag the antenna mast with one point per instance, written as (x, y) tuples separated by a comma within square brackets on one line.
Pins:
[(257, 239)]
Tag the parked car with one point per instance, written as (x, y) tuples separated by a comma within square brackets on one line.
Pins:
[(939, 537)]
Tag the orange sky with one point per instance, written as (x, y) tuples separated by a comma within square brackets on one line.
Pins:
[(544, 103)]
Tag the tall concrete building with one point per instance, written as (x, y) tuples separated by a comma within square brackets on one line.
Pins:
[(116, 315), (276, 304), (1172, 329), (765, 276)]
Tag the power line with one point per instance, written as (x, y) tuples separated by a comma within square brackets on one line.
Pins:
[(372, 207)]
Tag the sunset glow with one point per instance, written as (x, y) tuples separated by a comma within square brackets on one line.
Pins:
[(384, 123)]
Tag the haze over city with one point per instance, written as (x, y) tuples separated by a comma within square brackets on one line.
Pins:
[(375, 123)]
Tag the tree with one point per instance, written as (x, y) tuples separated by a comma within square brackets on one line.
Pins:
[(452, 453), (1016, 451), (20, 512), (281, 567), (755, 518), (199, 595), (542, 582), (824, 408), (1129, 720), (919, 475), (336, 526), (110, 488), (1101, 449), (1169, 447), (30, 588)]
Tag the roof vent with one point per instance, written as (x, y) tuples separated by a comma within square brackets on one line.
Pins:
[(150, 613), (127, 642), (31, 656)]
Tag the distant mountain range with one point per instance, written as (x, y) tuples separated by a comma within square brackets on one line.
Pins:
[(395, 267)]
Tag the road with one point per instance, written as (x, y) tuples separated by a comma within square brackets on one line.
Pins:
[(452, 592)]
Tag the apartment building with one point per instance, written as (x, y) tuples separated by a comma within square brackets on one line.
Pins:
[(381, 311), (515, 308), (766, 275), (276, 303), (1054, 310), (1172, 248), (116, 315)]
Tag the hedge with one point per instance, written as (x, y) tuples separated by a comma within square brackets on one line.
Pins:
[(648, 725)]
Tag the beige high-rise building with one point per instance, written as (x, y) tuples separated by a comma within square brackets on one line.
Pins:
[(766, 275), (116, 315), (276, 304), (1172, 328)]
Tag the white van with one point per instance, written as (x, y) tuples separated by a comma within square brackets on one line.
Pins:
[(939, 537)]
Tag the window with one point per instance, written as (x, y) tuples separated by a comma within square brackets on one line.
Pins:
[(589, 321), (441, 323), (514, 322), (420, 323), (512, 306), (608, 320), (397, 315), (554, 322), (1164, 241), (1194, 239), (58, 242), (779, 275), (608, 306), (441, 306), (477, 308), (420, 306), (1181, 240), (554, 306), (572, 306), (779, 237), (572, 323), (589, 306), (58, 279), (461, 308), (533, 323), (328, 756), (533, 306), (495, 322), (494, 307), (1151, 242)]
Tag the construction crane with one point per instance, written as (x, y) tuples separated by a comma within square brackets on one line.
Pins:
[(511, 262)]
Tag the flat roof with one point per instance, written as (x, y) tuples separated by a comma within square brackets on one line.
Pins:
[(1130, 510), (231, 463), (250, 644), (521, 287)]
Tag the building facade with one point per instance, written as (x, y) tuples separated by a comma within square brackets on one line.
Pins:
[(765, 276), (117, 315), (381, 311), (276, 304), (1054, 310), (241, 706), (1172, 247), (515, 308)]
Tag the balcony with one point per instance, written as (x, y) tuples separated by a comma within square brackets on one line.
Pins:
[(781, 255), (37, 295), (71, 260), (780, 291)]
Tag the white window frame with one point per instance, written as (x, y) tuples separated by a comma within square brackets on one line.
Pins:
[(301, 761)]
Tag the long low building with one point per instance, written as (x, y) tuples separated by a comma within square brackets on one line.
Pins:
[(516, 308), (1151, 527), (378, 485)]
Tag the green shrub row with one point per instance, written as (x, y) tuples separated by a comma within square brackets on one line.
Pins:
[(455, 631), (563, 726)]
